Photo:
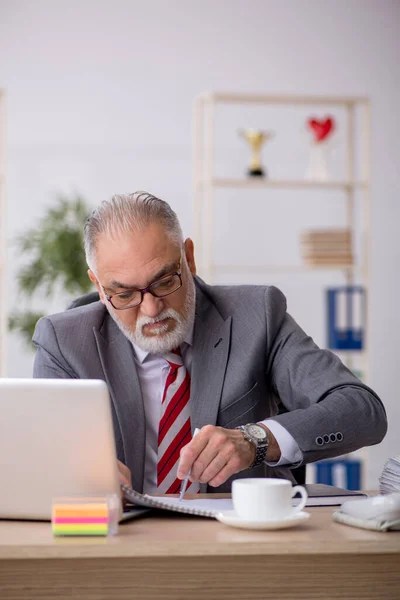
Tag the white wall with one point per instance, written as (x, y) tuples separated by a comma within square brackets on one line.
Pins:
[(100, 97)]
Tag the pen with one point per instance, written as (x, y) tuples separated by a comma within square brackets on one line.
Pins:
[(186, 480)]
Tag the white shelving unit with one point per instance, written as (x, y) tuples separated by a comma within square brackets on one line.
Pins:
[(356, 180), (206, 183), (3, 215)]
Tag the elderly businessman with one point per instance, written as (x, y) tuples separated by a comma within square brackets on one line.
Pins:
[(178, 354)]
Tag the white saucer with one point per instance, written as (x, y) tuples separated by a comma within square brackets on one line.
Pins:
[(229, 517)]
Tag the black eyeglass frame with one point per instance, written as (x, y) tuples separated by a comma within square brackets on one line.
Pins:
[(148, 289)]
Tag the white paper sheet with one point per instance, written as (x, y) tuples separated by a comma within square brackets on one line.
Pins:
[(215, 505)]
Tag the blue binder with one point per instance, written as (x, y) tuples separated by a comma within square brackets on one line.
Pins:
[(331, 472), (346, 318)]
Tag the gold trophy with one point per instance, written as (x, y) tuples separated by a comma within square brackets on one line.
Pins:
[(256, 139)]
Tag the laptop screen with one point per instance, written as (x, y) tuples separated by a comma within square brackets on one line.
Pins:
[(56, 439)]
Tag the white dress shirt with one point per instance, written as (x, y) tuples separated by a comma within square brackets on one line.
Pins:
[(152, 371)]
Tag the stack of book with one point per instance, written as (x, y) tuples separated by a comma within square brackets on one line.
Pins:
[(389, 481), (327, 247)]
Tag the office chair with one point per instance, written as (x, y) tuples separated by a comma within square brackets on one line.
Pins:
[(85, 299), (300, 475)]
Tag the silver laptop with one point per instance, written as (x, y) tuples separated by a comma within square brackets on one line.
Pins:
[(56, 440)]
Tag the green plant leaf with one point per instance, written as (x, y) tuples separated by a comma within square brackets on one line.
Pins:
[(25, 323), (55, 250), (55, 257)]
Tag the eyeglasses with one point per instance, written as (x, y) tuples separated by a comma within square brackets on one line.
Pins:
[(160, 288)]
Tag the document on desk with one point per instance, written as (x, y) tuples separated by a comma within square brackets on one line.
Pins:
[(318, 495)]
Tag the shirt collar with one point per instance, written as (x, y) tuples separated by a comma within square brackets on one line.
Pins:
[(141, 354)]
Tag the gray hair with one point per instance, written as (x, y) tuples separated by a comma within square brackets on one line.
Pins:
[(127, 213)]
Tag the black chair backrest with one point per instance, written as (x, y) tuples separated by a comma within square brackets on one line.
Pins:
[(85, 299), (300, 475)]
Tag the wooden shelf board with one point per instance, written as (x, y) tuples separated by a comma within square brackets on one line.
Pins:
[(226, 97), (281, 183), (282, 268)]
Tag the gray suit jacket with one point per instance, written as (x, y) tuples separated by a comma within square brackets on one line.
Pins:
[(250, 361)]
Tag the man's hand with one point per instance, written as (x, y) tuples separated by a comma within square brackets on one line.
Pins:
[(124, 474), (215, 454)]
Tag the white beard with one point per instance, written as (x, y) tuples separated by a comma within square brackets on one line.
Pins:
[(160, 340)]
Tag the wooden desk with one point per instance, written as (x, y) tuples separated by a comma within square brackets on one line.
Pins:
[(189, 558)]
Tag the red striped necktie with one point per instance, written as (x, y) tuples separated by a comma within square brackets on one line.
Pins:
[(174, 430)]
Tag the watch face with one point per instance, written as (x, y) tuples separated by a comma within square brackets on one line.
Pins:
[(257, 432)]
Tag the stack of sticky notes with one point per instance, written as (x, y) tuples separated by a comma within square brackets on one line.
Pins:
[(80, 517)]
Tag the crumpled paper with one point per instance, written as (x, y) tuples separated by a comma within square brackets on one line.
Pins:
[(374, 524)]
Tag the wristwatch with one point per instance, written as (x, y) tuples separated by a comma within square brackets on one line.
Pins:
[(256, 435)]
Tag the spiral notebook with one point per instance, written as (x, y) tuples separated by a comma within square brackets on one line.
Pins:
[(318, 495), (201, 507)]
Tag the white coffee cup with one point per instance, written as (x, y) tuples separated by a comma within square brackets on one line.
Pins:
[(265, 499)]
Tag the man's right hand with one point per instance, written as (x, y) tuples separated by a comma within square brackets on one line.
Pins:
[(124, 474)]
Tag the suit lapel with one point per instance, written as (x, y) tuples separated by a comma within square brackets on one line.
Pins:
[(116, 356), (211, 342)]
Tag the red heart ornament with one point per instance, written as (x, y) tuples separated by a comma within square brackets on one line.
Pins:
[(321, 128)]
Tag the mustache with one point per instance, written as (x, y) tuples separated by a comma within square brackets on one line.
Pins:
[(165, 314)]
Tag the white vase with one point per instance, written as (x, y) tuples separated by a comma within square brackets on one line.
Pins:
[(318, 162)]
